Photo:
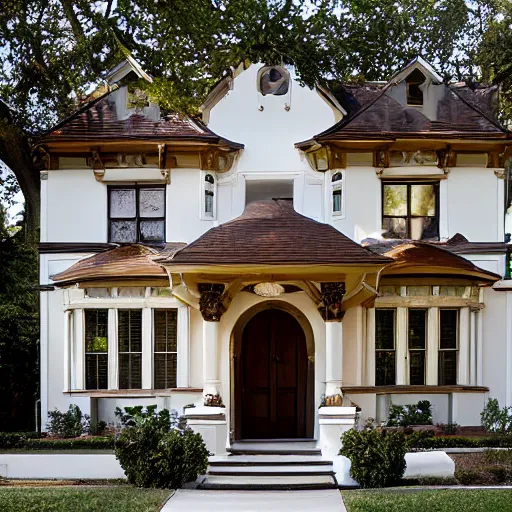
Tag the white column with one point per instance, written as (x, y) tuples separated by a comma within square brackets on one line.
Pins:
[(464, 341), (432, 347), (43, 219), (370, 347), (210, 358), (67, 350), (183, 371), (479, 350), (43, 323), (113, 350), (472, 347), (360, 329), (333, 357), (147, 349), (402, 359), (78, 381)]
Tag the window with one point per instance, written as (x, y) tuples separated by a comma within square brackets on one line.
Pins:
[(413, 85), (273, 80), (337, 193), (448, 346), (130, 348), (417, 338), (410, 210), (209, 194), (385, 356), (96, 348), (137, 214), (165, 333)]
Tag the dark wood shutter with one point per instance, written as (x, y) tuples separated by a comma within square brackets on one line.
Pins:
[(130, 348), (448, 346), (417, 339), (165, 332), (385, 356)]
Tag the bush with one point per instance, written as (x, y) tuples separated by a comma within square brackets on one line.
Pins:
[(377, 456), (13, 440), (155, 450), (428, 441), (68, 424), (413, 414), (496, 420), (38, 441)]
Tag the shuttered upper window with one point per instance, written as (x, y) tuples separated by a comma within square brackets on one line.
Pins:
[(130, 348), (165, 332), (96, 348)]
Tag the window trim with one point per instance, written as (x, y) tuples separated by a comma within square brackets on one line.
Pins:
[(130, 352), (408, 217), (153, 346), (137, 218), (337, 185), (86, 353), (202, 204)]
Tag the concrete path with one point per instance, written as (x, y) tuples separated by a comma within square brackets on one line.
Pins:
[(255, 501)]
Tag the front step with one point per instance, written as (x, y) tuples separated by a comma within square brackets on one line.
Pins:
[(274, 447), (269, 472)]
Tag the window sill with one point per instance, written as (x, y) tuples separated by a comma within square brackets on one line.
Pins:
[(130, 393), (411, 390)]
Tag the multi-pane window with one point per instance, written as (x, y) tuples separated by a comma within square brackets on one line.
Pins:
[(448, 346), (137, 214), (209, 195), (96, 348), (337, 193), (385, 355), (130, 348), (417, 342), (410, 210), (165, 335)]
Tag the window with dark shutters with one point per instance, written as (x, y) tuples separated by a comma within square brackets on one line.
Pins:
[(165, 333), (385, 355), (96, 348), (417, 340), (130, 348), (448, 346)]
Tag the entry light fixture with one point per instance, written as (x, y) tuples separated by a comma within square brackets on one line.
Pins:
[(268, 289)]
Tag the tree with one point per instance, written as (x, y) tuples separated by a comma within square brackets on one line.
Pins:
[(54, 51)]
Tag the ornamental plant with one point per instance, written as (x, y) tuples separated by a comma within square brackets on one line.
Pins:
[(413, 414), (156, 450), (496, 420), (377, 456)]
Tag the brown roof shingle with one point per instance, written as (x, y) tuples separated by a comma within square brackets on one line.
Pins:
[(273, 233)]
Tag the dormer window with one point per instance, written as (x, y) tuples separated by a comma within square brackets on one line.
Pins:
[(413, 85), (209, 186), (273, 80), (337, 193)]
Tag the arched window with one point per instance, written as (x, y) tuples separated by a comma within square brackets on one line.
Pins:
[(414, 92), (273, 80), (337, 193)]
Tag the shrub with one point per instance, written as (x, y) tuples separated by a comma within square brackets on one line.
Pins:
[(448, 429), (377, 456), (68, 424), (13, 440), (413, 414), (155, 450), (38, 441), (422, 440), (496, 420)]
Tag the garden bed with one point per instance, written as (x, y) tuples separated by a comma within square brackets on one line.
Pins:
[(487, 468)]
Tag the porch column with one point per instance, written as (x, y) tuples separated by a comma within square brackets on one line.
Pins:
[(333, 357), (464, 342), (211, 382)]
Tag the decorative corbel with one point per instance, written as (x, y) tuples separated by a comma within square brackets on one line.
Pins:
[(379, 172), (208, 160), (97, 165), (211, 301), (381, 159), (43, 175), (499, 173), (332, 296), (446, 158)]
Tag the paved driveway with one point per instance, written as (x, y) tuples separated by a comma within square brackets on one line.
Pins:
[(255, 501)]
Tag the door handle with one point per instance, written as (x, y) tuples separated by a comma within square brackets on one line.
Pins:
[(277, 360)]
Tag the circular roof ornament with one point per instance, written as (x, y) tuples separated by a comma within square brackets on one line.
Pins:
[(268, 289)]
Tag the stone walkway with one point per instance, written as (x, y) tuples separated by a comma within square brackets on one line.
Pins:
[(255, 501)]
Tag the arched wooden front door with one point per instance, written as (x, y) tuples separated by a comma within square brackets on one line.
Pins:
[(272, 398)]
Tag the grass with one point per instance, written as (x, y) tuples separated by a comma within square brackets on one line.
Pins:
[(428, 501), (81, 499)]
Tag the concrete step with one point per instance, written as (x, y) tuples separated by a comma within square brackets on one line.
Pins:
[(273, 447), (269, 461)]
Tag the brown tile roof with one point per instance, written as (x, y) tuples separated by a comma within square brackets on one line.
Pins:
[(127, 261), (428, 258), (273, 233), (97, 121)]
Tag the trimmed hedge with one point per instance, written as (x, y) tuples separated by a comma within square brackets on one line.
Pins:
[(429, 443), (37, 441)]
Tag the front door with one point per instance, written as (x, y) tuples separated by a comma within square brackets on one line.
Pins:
[(273, 378)]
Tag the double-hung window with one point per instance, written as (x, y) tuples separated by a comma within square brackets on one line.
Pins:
[(385, 347), (410, 210), (137, 214), (417, 341), (96, 348), (337, 193), (165, 335), (448, 346), (130, 348)]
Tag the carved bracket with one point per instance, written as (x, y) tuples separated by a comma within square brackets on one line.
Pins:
[(381, 159), (446, 158), (332, 296), (216, 160), (324, 158), (98, 167), (211, 301)]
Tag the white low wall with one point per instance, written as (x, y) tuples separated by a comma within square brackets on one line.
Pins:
[(60, 466)]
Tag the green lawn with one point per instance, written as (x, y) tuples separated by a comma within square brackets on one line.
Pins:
[(428, 501), (81, 499)]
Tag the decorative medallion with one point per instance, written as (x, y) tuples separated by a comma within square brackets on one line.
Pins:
[(332, 296), (268, 289), (211, 302)]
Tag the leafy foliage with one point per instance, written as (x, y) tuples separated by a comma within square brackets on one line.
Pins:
[(72, 423), (377, 456), (495, 419), (156, 451), (413, 414)]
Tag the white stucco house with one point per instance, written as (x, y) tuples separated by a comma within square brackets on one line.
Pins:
[(294, 245)]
